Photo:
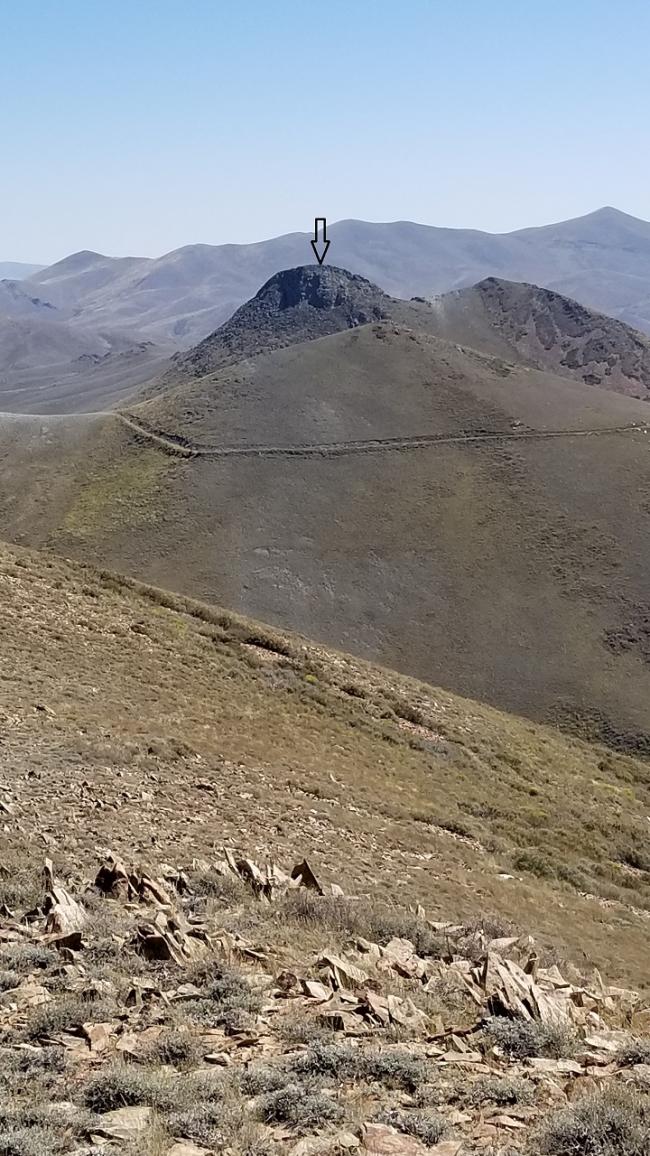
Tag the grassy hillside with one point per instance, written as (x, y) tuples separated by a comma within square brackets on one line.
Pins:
[(505, 558), (381, 380), (122, 703)]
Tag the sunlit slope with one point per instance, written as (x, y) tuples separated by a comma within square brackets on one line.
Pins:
[(196, 729), (381, 380), (507, 559)]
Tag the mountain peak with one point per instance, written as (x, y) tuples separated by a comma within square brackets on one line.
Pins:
[(609, 211), (294, 305), (317, 286)]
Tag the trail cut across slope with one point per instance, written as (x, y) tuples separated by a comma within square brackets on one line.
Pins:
[(469, 521)]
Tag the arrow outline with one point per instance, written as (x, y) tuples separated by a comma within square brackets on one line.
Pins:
[(320, 257)]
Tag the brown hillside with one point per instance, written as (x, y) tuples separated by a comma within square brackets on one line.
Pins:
[(547, 331), (260, 898), (508, 564), (227, 731)]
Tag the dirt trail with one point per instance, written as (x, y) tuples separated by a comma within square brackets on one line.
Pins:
[(184, 447)]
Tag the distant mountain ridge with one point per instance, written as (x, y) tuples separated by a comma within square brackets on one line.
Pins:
[(90, 303), (17, 270), (601, 260)]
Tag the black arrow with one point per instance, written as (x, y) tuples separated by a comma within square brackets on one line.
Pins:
[(320, 247)]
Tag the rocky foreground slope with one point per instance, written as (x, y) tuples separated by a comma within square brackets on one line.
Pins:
[(258, 897)]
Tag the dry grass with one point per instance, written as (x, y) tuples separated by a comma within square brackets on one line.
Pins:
[(135, 691), (614, 1123)]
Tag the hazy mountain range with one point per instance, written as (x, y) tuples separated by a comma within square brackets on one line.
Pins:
[(602, 260), (88, 306), (18, 269)]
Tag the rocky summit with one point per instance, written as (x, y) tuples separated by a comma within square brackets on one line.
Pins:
[(295, 305), (545, 330)]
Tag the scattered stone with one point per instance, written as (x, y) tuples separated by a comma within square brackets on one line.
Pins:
[(303, 876), (123, 1124), (341, 972), (356, 996), (166, 939), (382, 1140), (315, 990), (64, 914), (186, 1148)]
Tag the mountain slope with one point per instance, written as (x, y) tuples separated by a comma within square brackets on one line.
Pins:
[(43, 341), (547, 331), (51, 364), (473, 522), (185, 989), (293, 306), (17, 301), (112, 685), (382, 380)]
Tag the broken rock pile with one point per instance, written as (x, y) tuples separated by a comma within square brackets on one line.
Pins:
[(469, 1045)]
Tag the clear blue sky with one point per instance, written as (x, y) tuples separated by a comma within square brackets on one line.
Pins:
[(135, 126)]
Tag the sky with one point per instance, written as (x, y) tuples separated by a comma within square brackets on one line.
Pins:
[(137, 126)]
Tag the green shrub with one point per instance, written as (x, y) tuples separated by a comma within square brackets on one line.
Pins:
[(376, 922), (66, 1014), (428, 1127), (19, 1068), (260, 1079), (635, 1052), (29, 1142), (519, 1038), (394, 1069), (127, 1086), (24, 958), (532, 860), (398, 1069), (229, 1001), (303, 1110), (636, 855), (498, 1090), (200, 1123), (174, 1048)]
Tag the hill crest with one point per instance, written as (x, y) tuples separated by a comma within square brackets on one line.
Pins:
[(546, 330), (293, 306)]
